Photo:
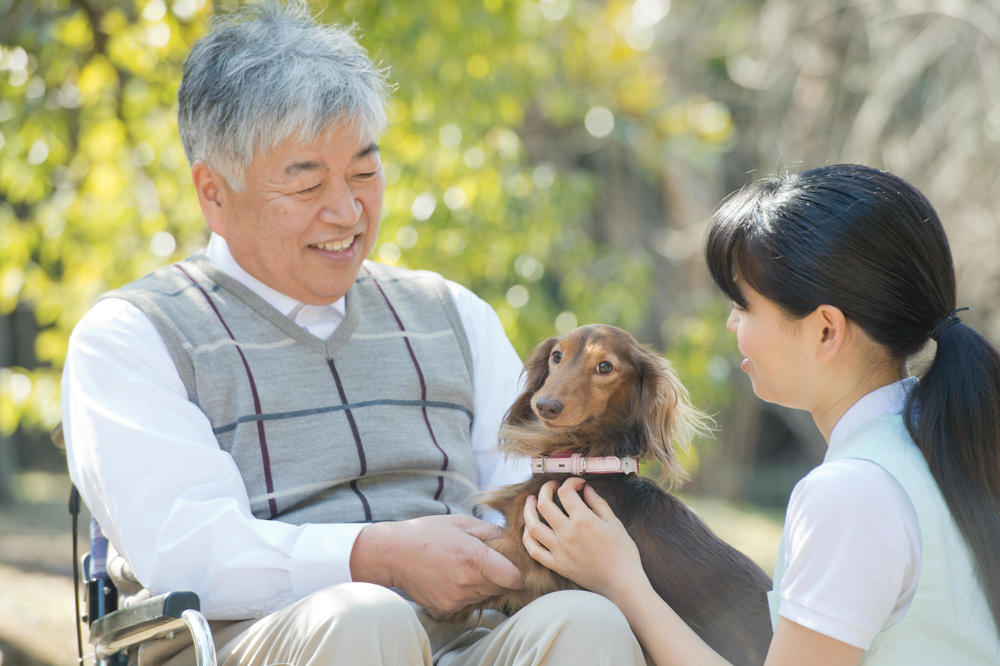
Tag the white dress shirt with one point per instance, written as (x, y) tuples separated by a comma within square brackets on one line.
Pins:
[(852, 538), (151, 471)]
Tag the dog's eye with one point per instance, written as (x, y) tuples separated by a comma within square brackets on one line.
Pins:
[(604, 368), (556, 356)]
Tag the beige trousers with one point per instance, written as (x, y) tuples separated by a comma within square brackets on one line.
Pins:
[(359, 624)]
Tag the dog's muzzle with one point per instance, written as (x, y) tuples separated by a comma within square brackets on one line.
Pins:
[(579, 464)]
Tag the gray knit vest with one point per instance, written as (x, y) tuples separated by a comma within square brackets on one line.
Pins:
[(371, 424)]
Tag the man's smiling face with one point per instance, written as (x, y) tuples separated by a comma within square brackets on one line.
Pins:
[(308, 216)]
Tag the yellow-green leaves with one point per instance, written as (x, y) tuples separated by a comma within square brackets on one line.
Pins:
[(504, 120)]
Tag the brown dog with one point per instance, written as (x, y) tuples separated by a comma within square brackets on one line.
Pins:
[(595, 391)]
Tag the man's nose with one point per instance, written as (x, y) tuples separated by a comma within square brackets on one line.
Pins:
[(340, 206)]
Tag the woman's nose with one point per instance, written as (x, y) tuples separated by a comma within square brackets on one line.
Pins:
[(733, 320)]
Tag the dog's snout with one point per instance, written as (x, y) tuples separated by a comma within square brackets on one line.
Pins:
[(549, 408)]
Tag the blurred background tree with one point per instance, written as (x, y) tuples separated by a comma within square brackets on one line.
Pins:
[(559, 157)]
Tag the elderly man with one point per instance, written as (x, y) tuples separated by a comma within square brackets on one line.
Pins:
[(289, 430)]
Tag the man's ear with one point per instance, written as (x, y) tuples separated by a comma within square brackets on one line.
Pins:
[(208, 185), (828, 327)]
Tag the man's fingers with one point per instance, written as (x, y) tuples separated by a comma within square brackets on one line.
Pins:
[(498, 570), (483, 530)]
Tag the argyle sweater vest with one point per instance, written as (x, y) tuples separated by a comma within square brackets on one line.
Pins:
[(948, 620), (371, 424)]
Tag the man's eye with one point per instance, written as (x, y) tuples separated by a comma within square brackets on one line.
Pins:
[(556, 356), (310, 190), (604, 368)]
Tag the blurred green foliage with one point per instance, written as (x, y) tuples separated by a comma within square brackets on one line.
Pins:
[(500, 108)]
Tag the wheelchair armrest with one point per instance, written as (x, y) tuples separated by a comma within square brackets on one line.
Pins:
[(156, 617)]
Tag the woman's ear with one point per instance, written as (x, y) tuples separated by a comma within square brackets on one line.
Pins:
[(827, 327)]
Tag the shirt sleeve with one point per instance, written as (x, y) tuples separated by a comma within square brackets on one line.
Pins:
[(496, 377), (186, 525), (852, 545)]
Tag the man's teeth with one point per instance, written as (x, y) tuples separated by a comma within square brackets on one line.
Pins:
[(335, 246)]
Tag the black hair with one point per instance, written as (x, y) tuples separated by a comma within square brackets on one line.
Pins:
[(870, 244)]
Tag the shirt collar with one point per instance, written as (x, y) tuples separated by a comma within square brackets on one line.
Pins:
[(888, 399), (219, 254)]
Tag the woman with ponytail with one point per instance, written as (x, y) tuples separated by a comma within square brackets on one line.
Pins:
[(891, 548)]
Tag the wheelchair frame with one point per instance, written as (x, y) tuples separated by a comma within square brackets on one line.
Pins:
[(113, 630)]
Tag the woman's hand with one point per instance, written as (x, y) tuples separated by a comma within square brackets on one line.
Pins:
[(585, 543), (589, 545)]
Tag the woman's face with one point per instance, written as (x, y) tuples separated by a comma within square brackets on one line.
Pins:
[(772, 346)]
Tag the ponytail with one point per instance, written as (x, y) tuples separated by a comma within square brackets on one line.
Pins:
[(953, 415)]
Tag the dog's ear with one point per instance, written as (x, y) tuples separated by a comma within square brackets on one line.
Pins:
[(536, 371), (666, 416)]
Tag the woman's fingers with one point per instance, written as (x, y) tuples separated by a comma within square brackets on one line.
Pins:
[(598, 504), (547, 507), (590, 503), (534, 533), (569, 495)]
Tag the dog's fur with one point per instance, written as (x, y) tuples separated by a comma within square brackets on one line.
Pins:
[(633, 406)]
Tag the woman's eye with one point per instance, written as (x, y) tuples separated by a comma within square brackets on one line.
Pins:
[(367, 174), (556, 356), (604, 368)]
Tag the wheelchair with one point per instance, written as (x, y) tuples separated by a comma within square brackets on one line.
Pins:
[(117, 627)]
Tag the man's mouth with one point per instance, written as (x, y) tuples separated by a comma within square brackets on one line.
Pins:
[(335, 246)]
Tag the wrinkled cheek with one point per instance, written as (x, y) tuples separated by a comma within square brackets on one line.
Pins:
[(369, 244), (371, 236)]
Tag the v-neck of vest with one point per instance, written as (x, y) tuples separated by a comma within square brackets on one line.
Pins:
[(213, 273)]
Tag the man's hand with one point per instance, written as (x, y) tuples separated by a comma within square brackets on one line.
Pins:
[(441, 562)]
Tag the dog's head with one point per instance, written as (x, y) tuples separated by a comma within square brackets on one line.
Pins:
[(598, 391)]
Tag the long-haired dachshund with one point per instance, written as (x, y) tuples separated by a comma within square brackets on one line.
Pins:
[(597, 393)]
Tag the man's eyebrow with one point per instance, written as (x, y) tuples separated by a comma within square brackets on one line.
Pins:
[(309, 165), (366, 151), (312, 165)]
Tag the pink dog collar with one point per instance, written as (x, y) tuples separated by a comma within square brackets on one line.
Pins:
[(576, 463)]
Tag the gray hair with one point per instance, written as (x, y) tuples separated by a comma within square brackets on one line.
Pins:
[(269, 70)]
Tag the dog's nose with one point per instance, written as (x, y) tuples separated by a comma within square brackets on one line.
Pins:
[(549, 408)]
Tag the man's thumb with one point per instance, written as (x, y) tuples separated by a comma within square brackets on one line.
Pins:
[(499, 570)]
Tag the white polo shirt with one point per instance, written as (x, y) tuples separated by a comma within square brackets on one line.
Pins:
[(852, 538)]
